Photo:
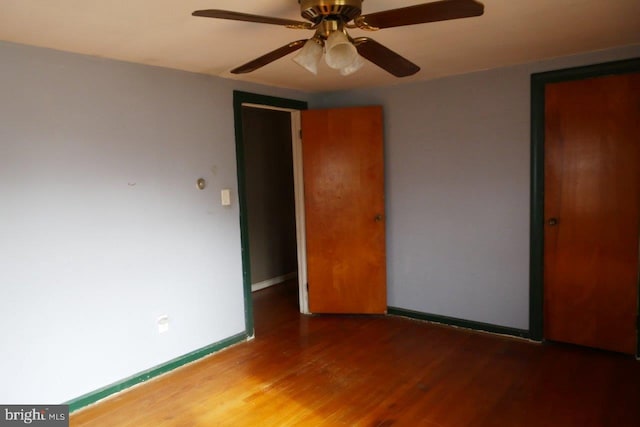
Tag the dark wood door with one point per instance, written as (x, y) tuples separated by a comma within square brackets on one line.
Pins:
[(344, 210), (592, 211)]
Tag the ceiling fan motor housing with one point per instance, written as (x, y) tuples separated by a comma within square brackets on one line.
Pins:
[(316, 10)]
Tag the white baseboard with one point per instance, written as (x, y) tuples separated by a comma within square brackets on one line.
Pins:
[(270, 282)]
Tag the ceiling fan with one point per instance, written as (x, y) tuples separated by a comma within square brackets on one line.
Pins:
[(330, 20)]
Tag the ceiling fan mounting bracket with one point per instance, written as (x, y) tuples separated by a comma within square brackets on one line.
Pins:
[(360, 22), (316, 10)]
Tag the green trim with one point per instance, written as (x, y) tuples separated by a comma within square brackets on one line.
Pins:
[(462, 323), (538, 83), (169, 366), (536, 230), (240, 98)]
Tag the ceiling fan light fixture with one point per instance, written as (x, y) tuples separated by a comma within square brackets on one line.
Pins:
[(340, 53), (355, 66), (310, 55)]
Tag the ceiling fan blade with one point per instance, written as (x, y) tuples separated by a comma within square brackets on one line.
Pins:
[(419, 14), (385, 58), (269, 57), (237, 16)]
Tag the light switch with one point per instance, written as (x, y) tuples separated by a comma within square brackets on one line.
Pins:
[(163, 324), (225, 197)]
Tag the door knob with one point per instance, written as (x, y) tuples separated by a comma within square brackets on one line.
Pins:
[(552, 222), (378, 218)]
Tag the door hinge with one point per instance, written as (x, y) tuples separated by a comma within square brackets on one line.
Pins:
[(300, 133), (307, 287)]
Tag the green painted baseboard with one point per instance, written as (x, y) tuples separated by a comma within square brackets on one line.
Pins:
[(453, 321), (169, 366)]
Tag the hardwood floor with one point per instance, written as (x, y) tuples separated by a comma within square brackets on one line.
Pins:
[(377, 371)]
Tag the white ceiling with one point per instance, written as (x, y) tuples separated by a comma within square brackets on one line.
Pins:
[(163, 33)]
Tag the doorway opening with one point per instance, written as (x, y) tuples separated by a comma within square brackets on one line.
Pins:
[(270, 196)]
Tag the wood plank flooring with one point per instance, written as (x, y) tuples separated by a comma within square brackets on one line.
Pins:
[(377, 371)]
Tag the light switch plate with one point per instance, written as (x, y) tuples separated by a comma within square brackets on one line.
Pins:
[(225, 197), (163, 324)]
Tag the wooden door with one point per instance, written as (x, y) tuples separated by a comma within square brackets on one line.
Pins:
[(592, 211), (342, 151)]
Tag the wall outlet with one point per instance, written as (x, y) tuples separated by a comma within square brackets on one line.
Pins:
[(163, 324)]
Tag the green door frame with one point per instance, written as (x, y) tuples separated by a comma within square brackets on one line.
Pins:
[(240, 98), (538, 83)]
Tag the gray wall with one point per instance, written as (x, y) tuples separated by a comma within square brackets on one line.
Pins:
[(270, 198), (457, 187), (102, 228)]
